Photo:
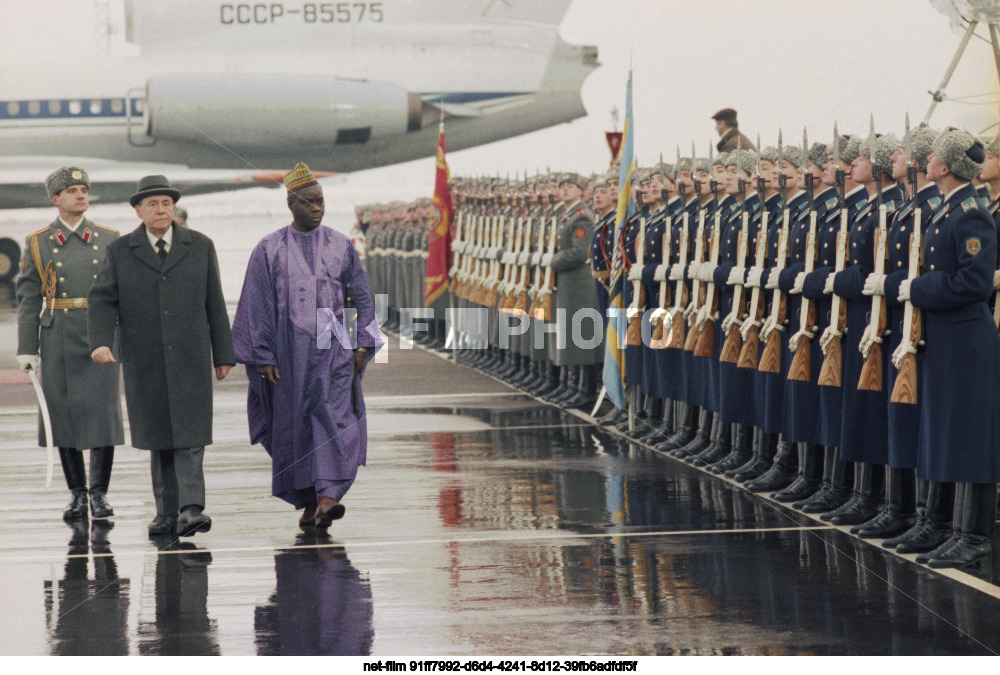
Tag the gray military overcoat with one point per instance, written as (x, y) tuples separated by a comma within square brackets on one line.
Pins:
[(174, 329), (82, 396), (575, 288)]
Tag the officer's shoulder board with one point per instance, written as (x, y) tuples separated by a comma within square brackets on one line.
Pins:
[(969, 203), (831, 202), (39, 232), (891, 205), (934, 202), (106, 229)]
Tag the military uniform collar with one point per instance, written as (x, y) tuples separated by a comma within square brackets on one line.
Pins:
[(773, 199), (72, 228), (957, 191), (794, 200), (819, 196)]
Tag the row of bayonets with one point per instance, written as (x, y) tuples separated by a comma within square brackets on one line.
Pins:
[(745, 327), (487, 271)]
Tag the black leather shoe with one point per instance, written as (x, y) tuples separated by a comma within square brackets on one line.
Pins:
[(941, 550), (192, 520), (861, 510), (162, 524), (893, 542), (825, 501), (613, 417), (970, 551), (778, 477), (801, 489), (100, 509), (755, 468), (886, 524), (77, 508), (929, 538)]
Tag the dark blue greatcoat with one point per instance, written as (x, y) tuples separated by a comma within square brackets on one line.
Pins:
[(960, 383), (726, 207), (663, 362), (684, 388), (601, 250), (864, 426), (629, 241), (801, 419), (704, 390), (652, 380), (759, 379), (734, 383), (831, 399), (904, 419)]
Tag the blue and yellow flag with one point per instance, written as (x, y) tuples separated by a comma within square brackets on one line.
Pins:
[(614, 353)]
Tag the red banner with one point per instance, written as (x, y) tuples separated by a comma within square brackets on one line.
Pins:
[(439, 241), (614, 143)]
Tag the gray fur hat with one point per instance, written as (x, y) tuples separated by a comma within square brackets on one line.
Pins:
[(684, 164), (768, 154), (600, 182), (818, 154), (701, 164), (574, 178), (664, 169), (885, 146), (851, 149), (745, 162), (720, 159), (921, 140), (994, 145), (64, 177), (642, 176), (793, 154), (961, 152)]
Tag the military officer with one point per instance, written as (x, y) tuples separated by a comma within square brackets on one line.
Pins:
[(59, 265)]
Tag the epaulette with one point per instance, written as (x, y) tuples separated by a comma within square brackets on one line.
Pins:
[(106, 229), (831, 202), (968, 203), (41, 231), (934, 202), (891, 205)]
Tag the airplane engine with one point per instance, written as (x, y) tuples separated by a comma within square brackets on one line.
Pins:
[(249, 110)]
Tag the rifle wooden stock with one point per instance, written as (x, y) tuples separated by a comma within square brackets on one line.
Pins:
[(706, 339), (520, 306), (692, 339), (800, 370), (706, 336), (675, 339), (633, 336), (751, 348), (833, 365), (659, 337), (731, 347), (871, 372), (770, 360), (905, 389), (831, 372)]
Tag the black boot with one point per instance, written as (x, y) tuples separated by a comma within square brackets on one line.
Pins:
[(869, 495), (572, 386), (720, 445), (651, 413), (101, 460), (900, 504), (841, 484), (614, 417), (957, 527), (702, 438), (654, 422), (76, 481), (562, 379), (765, 446), (685, 417), (539, 373), (782, 472), (937, 527), (639, 402), (526, 371), (741, 436), (974, 548), (810, 478), (549, 381), (584, 395), (921, 521)]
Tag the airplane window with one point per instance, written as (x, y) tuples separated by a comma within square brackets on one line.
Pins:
[(117, 106), (95, 107), (13, 108), (75, 107), (54, 107), (34, 107), (138, 106)]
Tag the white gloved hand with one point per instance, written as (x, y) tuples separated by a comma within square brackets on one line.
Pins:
[(753, 277), (546, 260), (536, 258), (635, 273), (727, 323), (689, 311), (705, 272), (28, 362), (702, 316), (904, 290), (996, 280), (828, 286), (676, 272), (457, 246), (866, 341), (772, 280), (800, 281), (660, 273), (874, 284), (736, 276), (745, 327), (508, 258), (491, 252), (522, 258)]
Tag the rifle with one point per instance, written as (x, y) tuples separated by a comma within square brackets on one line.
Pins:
[(750, 330), (833, 363), (658, 317), (871, 372), (801, 366), (510, 266), (633, 336), (519, 306), (697, 292), (706, 330), (675, 338), (543, 309), (488, 291), (539, 245), (904, 358), (770, 361), (731, 347), (459, 255)]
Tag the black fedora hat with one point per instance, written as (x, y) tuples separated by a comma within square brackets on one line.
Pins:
[(154, 185)]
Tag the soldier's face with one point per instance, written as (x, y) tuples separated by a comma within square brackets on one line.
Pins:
[(829, 172), (861, 170), (703, 186), (613, 188), (732, 176), (602, 199), (684, 179), (307, 207), (73, 200), (570, 192), (766, 171), (157, 212), (899, 164), (991, 168), (936, 170), (719, 174)]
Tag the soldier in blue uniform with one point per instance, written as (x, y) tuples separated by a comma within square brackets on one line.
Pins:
[(864, 433), (602, 245), (961, 373), (904, 419)]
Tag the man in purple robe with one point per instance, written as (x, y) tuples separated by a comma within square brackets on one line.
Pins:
[(304, 359)]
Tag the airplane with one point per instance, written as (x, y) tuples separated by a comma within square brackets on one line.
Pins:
[(254, 86)]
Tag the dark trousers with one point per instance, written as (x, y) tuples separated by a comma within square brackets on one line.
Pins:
[(178, 479)]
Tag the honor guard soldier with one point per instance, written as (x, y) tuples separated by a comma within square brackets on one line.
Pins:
[(962, 446), (59, 265), (864, 430), (602, 245)]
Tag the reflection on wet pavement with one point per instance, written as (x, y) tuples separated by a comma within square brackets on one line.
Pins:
[(520, 530)]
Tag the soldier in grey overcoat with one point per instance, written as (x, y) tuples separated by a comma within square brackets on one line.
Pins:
[(161, 285), (59, 265)]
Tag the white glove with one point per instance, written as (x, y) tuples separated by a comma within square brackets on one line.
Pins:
[(28, 362), (745, 327), (705, 272), (736, 276), (874, 284), (772, 280), (702, 316), (727, 323), (508, 258), (828, 335), (828, 286), (547, 260), (753, 277), (536, 258), (800, 281), (635, 273), (676, 272), (522, 258), (660, 273), (904, 290), (689, 311), (491, 252), (996, 280), (457, 246), (866, 341)]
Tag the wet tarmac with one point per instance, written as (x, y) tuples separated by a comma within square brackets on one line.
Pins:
[(486, 523)]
